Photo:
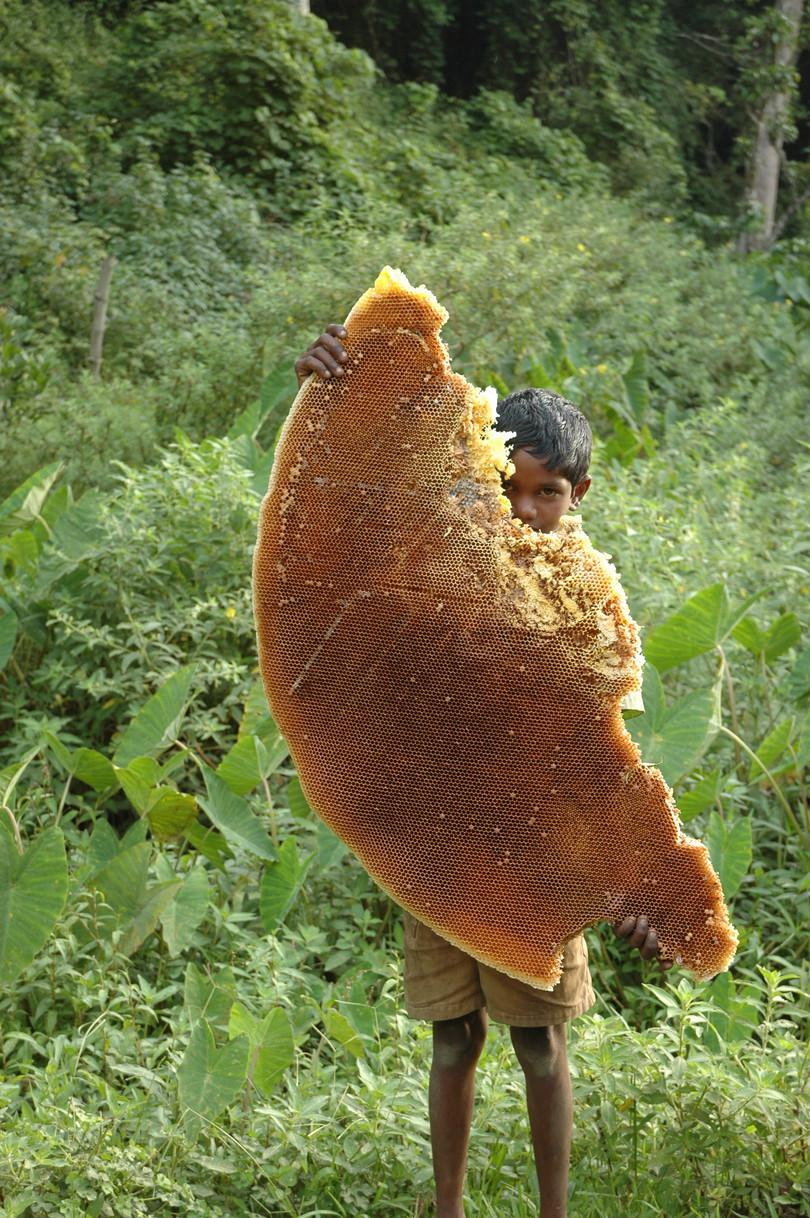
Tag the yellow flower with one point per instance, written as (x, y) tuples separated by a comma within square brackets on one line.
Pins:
[(485, 234), (230, 612), (582, 248), (289, 321), (667, 219), (59, 260), (601, 369), (524, 240)]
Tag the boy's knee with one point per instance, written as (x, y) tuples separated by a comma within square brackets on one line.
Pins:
[(458, 1042), (540, 1051)]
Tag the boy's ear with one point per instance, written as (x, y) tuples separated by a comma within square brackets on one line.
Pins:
[(580, 491)]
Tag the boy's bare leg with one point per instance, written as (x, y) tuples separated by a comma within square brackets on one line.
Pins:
[(457, 1045), (542, 1054)]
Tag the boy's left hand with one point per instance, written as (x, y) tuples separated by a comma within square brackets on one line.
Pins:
[(639, 934)]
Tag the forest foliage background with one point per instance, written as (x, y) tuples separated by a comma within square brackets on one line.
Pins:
[(202, 1009)]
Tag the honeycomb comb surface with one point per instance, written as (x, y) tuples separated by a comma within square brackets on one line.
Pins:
[(449, 681)]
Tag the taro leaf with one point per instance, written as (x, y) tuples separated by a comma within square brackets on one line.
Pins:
[(735, 1014), (233, 817), (102, 847), (783, 634), (278, 389), (297, 801), (244, 766), (33, 889), (93, 768), (338, 1027), (77, 535), (771, 749), (703, 794), (272, 1050), (123, 879), (186, 912), (137, 787), (281, 884), (730, 850), (257, 721), (8, 635), (674, 737), (156, 723), (637, 387), (799, 679), (209, 1078), (329, 849), (146, 918), (211, 844), (136, 908), (803, 745), (24, 504), (698, 626), (170, 812), (209, 997)]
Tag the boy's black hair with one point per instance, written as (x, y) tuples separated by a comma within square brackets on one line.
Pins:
[(549, 427)]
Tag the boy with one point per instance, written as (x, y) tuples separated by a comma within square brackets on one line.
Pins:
[(551, 451)]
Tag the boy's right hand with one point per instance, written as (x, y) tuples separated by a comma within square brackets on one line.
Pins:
[(325, 356)]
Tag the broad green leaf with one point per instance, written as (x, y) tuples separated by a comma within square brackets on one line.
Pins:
[(783, 634), (271, 1044), (8, 636), (145, 919), (209, 997), (771, 749), (186, 912), (59, 749), (735, 1015), (256, 709), (280, 885), (694, 629), (123, 880), (297, 801), (803, 743), (137, 787), (24, 503), (799, 679), (93, 768), (257, 721), (77, 536), (699, 625), (209, 1078), (11, 774), (102, 847), (338, 1027), (329, 849), (244, 766), (170, 812), (730, 849), (637, 387), (211, 844), (233, 817), (157, 722), (701, 797), (33, 889), (674, 737)]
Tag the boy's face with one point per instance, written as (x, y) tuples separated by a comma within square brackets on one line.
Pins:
[(540, 496)]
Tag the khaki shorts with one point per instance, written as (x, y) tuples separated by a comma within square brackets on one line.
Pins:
[(443, 982)]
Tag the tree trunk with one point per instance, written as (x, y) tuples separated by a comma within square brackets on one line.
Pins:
[(100, 314), (763, 176)]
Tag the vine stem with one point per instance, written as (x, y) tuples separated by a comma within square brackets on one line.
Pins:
[(776, 788)]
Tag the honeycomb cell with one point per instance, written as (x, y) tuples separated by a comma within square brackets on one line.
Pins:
[(449, 681)]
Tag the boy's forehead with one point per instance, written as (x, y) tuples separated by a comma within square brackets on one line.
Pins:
[(531, 466)]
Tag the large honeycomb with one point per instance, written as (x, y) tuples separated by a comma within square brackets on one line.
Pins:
[(449, 681)]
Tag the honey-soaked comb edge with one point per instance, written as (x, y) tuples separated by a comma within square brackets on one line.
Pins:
[(480, 412)]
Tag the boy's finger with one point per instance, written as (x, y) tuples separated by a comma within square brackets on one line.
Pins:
[(311, 363), (322, 353), (649, 948), (640, 933), (334, 345), (623, 929), (338, 331)]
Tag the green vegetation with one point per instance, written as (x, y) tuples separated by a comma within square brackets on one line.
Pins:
[(202, 1000)]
